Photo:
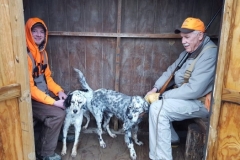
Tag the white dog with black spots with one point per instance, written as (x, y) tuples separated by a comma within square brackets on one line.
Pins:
[(103, 104)]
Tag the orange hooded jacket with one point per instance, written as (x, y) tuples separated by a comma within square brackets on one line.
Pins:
[(36, 93)]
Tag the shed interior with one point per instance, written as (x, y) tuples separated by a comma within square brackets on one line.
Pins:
[(118, 44)]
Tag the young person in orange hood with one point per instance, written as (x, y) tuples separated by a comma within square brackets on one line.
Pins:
[(46, 109)]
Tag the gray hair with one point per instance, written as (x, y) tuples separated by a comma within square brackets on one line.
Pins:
[(196, 32)]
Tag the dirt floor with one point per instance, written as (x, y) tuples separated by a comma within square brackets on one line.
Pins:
[(89, 149)]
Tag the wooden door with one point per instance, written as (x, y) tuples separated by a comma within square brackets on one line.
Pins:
[(224, 129), (16, 127)]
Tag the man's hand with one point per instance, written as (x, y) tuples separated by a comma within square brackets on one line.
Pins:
[(62, 95), (59, 103)]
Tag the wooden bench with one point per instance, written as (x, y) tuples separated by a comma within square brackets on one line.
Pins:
[(196, 139)]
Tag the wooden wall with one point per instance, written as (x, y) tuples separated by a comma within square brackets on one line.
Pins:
[(16, 128), (224, 130), (117, 44)]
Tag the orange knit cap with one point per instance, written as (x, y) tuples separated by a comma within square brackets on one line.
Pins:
[(191, 24)]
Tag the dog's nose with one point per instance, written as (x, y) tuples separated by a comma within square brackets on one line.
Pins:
[(130, 117), (74, 111)]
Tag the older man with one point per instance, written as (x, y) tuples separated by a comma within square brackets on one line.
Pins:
[(182, 102)]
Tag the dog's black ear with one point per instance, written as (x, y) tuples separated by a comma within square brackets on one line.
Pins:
[(67, 101), (84, 90)]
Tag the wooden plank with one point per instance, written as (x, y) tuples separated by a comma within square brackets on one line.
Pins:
[(228, 127), (17, 132), (10, 91), (117, 53), (228, 132), (75, 16), (129, 16), (10, 131), (145, 16), (121, 35), (75, 45), (194, 143), (21, 72), (164, 16), (93, 17), (58, 51), (117, 58), (36, 11), (215, 26), (230, 96), (108, 66), (221, 68), (10, 134), (224, 123), (182, 10), (110, 11)]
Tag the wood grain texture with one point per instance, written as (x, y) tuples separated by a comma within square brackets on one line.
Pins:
[(228, 144), (10, 92), (79, 29), (228, 127), (194, 143), (223, 140), (16, 138), (16, 114), (22, 77), (230, 96), (10, 131)]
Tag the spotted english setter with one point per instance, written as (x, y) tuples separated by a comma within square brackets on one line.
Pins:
[(75, 104), (104, 103)]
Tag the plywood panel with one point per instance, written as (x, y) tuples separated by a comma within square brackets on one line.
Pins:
[(93, 16), (9, 118), (138, 16), (145, 17), (182, 10), (10, 130), (164, 16), (229, 127), (59, 59), (228, 131), (15, 118), (75, 15), (109, 22), (223, 141), (129, 16), (77, 59), (94, 58)]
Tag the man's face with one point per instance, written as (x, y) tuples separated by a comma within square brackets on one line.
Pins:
[(191, 41), (38, 35)]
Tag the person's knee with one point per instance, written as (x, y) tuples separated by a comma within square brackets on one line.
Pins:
[(61, 115)]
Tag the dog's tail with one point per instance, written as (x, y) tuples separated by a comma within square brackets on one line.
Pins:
[(82, 80)]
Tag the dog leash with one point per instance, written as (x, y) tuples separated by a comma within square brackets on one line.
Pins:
[(157, 127)]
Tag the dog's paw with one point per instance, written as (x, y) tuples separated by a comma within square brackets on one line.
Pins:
[(132, 152), (74, 153), (64, 151), (85, 127), (113, 135), (133, 156), (139, 143), (103, 144)]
